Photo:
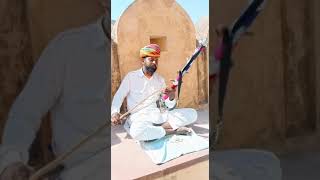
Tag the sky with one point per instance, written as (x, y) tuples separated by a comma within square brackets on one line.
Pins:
[(195, 8)]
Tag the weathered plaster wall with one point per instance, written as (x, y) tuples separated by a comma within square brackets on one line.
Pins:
[(299, 69)]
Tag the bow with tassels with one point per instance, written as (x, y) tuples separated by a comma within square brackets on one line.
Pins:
[(177, 83)]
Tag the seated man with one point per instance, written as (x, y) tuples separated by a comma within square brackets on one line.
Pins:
[(148, 122)]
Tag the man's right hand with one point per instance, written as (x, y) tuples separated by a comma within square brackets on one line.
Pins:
[(115, 119), (16, 171)]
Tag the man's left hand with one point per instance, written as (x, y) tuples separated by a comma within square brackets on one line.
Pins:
[(170, 92)]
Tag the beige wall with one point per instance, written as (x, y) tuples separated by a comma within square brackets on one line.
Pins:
[(160, 18), (48, 18), (316, 20), (254, 105), (15, 54), (115, 73), (203, 77), (299, 66)]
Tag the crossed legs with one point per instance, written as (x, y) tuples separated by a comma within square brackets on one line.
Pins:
[(144, 127)]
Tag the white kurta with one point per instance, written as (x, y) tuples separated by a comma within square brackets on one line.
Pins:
[(143, 123)]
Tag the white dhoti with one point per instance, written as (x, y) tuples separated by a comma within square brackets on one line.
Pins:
[(145, 124)]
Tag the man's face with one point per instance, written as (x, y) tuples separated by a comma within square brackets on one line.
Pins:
[(150, 64)]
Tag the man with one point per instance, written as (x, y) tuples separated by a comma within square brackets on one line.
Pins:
[(149, 123), (71, 80)]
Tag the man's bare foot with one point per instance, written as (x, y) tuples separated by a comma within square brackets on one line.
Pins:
[(183, 131)]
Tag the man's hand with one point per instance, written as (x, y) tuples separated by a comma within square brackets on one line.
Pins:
[(170, 92), (16, 171), (115, 119)]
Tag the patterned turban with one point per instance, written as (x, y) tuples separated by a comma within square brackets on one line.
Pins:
[(151, 50)]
